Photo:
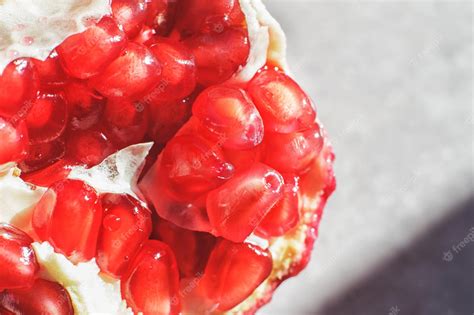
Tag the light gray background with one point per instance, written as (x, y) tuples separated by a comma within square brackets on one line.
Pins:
[(393, 84)]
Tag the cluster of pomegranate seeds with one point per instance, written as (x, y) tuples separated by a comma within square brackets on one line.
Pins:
[(228, 161)]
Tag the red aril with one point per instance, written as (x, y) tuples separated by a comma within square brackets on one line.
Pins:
[(47, 176), (85, 105), (69, 216), (132, 74), (233, 272), (218, 55), (301, 148), (50, 72), (285, 213), (178, 78), (88, 147), (231, 115), (125, 226), (130, 15), (13, 139), (88, 53), (167, 118), (151, 284), (197, 16), (194, 166), (237, 207), (19, 84), (191, 248), (243, 159), (161, 15), (18, 265), (42, 155), (125, 121), (47, 118), (44, 297), (284, 106)]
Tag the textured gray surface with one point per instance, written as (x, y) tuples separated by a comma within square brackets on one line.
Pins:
[(393, 85)]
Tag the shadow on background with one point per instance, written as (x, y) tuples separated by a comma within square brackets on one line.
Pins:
[(428, 278)]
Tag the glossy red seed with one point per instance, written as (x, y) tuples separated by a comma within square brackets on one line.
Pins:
[(161, 15), (18, 265), (230, 114), (135, 72), (204, 16), (85, 105), (218, 55), (243, 159), (125, 226), (285, 214), (178, 78), (13, 139), (130, 15), (284, 106), (50, 71), (48, 175), (237, 207), (69, 216), (126, 121), (19, 84), (194, 166), (88, 53), (233, 272), (47, 118), (151, 285), (88, 147), (191, 248), (42, 155), (44, 297), (293, 152), (167, 118)]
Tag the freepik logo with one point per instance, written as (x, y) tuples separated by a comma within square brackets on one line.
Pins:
[(448, 255)]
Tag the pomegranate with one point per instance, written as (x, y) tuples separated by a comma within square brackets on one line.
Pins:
[(232, 159)]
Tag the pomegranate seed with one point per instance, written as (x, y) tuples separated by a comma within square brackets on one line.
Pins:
[(243, 159), (132, 74), (18, 86), (191, 248), (145, 35), (284, 106), (44, 297), (85, 106), (151, 285), (50, 72), (293, 152), (126, 122), (194, 166), (14, 140), (130, 15), (230, 114), (285, 214), (47, 118), (18, 265), (88, 147), (47, 176), (233, 272), (218, 55), (201, 16), (161, 15), (88, 53), (178, 78), (237, 207), (69, 216), (42, 155), (125, 226), (167, 118)]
